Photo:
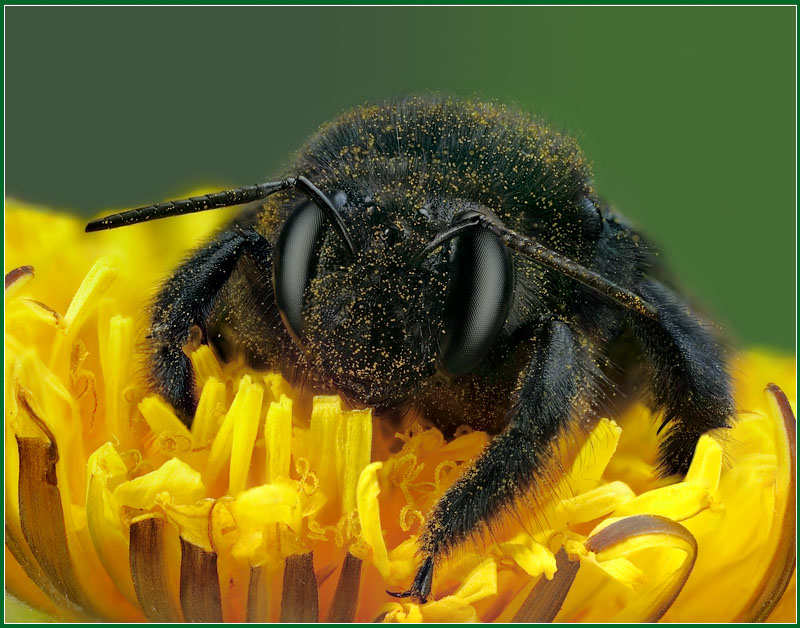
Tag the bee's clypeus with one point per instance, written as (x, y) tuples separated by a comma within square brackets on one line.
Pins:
[(451, 257)]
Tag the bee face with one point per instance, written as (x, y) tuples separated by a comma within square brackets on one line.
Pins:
[(368, 323)]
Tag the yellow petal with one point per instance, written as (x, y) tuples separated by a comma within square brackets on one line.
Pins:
[(596, 503), (43, 313), (116, 374), (183, 484), (587, 470), (479, 584), (534, 558), (355, 431), (205, 365), (210, 412), (277, 387), (269, 503), (102, 515), (623, 571), (193, 520), (260, 514), (94, 286), (169, 432), (406, 613), (223, 441), (402, 561), (278, 437), (677, 502), (706, 465), (326, 416), (245, 428), (369, 516)]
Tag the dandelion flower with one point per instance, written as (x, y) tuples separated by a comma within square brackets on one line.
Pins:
[(277, 507)]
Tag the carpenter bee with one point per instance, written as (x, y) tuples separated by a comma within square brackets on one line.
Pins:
[(454, 257)]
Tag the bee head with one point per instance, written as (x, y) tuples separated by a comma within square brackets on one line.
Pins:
[(368, 322)]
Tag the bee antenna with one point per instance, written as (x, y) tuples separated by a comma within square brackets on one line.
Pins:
[(455, 229), (220, 200), (217, 200), (539, 253), (530, 248), (328, 207)]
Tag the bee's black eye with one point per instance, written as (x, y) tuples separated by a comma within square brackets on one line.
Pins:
[(295, 260), (479, 297)]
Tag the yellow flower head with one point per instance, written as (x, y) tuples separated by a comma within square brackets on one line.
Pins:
[(274, 506)]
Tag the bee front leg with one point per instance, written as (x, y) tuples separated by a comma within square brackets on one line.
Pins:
[(187, 299), (689, 383), (560, 375)]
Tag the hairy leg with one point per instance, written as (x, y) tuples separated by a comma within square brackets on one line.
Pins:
[(560, 375), (186, 299), (686, 370)]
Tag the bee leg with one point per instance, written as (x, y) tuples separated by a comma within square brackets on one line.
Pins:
[(186, 299), (689, 383), (559, 376)]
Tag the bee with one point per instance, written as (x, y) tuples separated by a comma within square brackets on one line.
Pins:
[(452, 257)]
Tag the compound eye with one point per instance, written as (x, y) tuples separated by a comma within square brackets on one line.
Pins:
[(479, 298), (294, 264)]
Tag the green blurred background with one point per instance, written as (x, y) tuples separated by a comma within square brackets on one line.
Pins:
[(688, 114)]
